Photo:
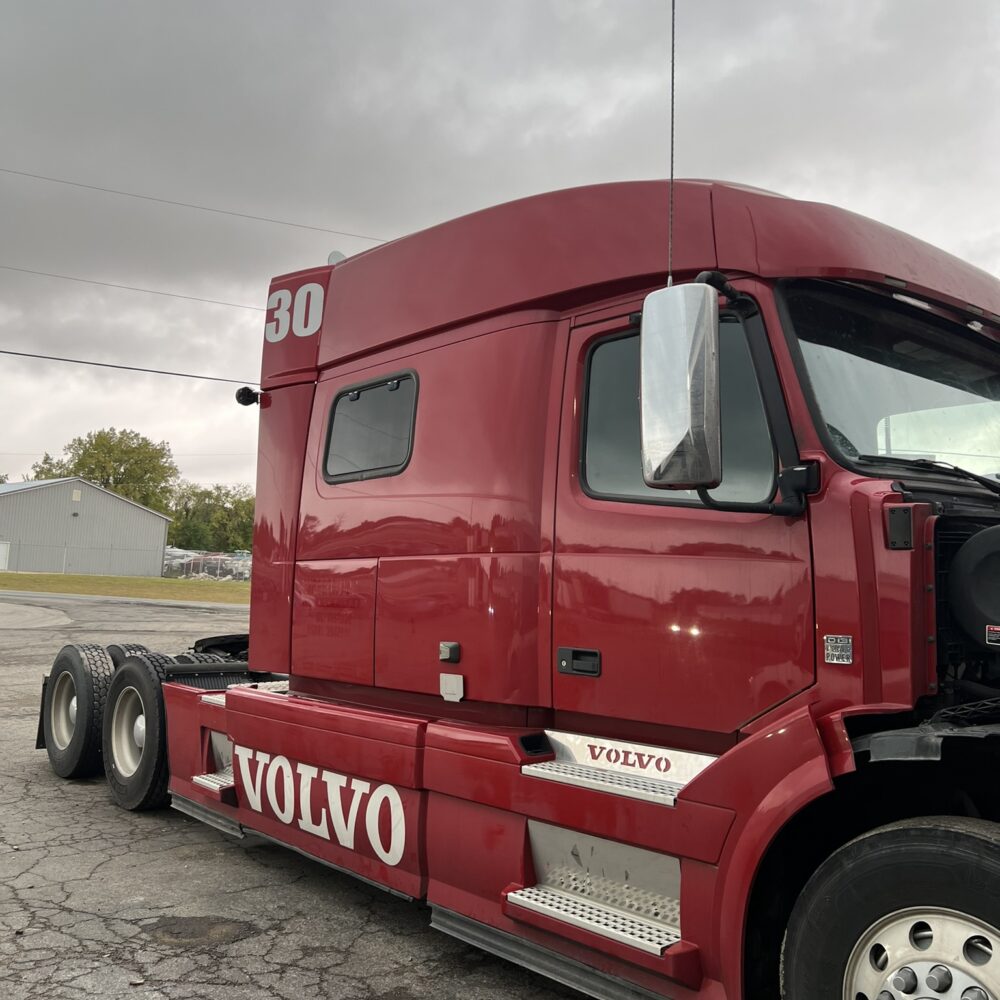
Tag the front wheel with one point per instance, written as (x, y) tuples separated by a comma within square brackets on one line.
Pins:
[(908, 910)]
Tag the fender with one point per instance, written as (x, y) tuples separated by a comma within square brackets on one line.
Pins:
[(766, 779)]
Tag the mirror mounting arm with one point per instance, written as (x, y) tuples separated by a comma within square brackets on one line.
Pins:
[(718, 281), (794, 484)]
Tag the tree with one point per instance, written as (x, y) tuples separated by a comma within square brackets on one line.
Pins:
[(3, 478), (212, 518), (123, 461)]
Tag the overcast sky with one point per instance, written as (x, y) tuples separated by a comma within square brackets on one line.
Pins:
[(385, 116)]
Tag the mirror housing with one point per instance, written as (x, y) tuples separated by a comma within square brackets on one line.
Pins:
[(679, 388)]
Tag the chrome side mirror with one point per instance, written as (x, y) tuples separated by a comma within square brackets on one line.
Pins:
[(679, 388)]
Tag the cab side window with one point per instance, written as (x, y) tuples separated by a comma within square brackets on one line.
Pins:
[(612, 463), (371, 430)]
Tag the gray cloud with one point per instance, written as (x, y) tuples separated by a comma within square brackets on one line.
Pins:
[(385, 117)]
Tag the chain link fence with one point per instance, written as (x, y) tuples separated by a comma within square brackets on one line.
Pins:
[(182, 563)]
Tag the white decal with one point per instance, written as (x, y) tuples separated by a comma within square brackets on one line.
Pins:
[(307, 775), (252, 788), (344, 829), (277, 328), (397, 836), (333, 822), (286, 810), (303, 316), (307, 313)]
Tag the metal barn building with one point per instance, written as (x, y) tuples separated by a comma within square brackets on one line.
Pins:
[(72, 526)]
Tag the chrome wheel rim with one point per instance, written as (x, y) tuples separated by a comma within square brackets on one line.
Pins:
[(63, 717), (925, 953), (128, 732)]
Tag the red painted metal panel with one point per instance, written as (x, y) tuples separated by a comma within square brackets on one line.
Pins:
[(772, 236), (469, 875), (333, 620), (565, 247), (694, 830), (284, 419), (487, 603), (703, 618), (474, 481), (338, 783), (476, 741), (381, 724), (288, 355)]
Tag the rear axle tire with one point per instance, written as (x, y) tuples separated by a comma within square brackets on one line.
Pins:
[(121, 651), (73, 709), (135, 734)]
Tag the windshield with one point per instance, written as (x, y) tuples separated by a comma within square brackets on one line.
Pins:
[(892, 381)]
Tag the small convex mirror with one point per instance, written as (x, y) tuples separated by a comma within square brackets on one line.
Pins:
[(679, 388)]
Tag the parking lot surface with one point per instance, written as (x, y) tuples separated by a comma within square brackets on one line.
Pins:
[(99, 902)]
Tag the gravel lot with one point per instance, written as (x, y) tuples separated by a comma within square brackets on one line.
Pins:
[(98, 902)]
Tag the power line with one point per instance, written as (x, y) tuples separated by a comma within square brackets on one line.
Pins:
[(129, 288), (185, 204), (127, 368)]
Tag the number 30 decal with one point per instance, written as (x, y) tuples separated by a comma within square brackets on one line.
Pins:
[(303, 315)]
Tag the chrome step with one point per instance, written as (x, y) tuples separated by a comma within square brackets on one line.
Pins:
[(216, 698), (650, 936), (602, 780), (635, 770), (216, 781)]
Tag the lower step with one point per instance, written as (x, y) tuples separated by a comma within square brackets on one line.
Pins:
[(216, 781), (650, 936)]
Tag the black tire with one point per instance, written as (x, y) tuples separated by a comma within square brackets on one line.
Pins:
[(935, 863), (84, 672), (121, 651), (137, 776), (194, 658)]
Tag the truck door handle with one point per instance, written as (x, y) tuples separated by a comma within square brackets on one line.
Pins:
[(585, 662)]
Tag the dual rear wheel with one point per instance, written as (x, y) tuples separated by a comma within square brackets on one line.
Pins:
[(103, 710)]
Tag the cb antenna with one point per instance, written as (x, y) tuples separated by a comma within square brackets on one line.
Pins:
[(670, 210)]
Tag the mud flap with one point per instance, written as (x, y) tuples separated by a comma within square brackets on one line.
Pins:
[(40, 738)]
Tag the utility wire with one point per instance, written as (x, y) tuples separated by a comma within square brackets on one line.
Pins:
[(129, 288), (128, 368), (185, 204)]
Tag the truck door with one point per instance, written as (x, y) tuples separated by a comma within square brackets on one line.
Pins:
[(667, 610)]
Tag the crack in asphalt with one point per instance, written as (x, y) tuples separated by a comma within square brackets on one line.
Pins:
[(89, 893)]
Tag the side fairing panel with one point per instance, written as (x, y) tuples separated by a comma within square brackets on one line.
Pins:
[(487, 603), (334, 619), (453, 548), (284, 418)]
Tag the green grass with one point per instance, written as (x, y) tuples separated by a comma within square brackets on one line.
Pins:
[(155, 588)]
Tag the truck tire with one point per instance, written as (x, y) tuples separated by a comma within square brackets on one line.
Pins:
[(73, 709), (195, 658), (910, 909), (121, 651), (135, 734)]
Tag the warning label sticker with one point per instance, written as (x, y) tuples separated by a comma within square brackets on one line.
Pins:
[(993, 635), (840, 648)]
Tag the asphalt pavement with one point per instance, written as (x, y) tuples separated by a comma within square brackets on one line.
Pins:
[(99, 902)]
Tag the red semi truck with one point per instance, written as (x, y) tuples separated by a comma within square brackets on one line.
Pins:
[(649, 634)]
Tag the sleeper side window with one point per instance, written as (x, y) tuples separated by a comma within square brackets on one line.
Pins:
[(612, 462), (371, 429)]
